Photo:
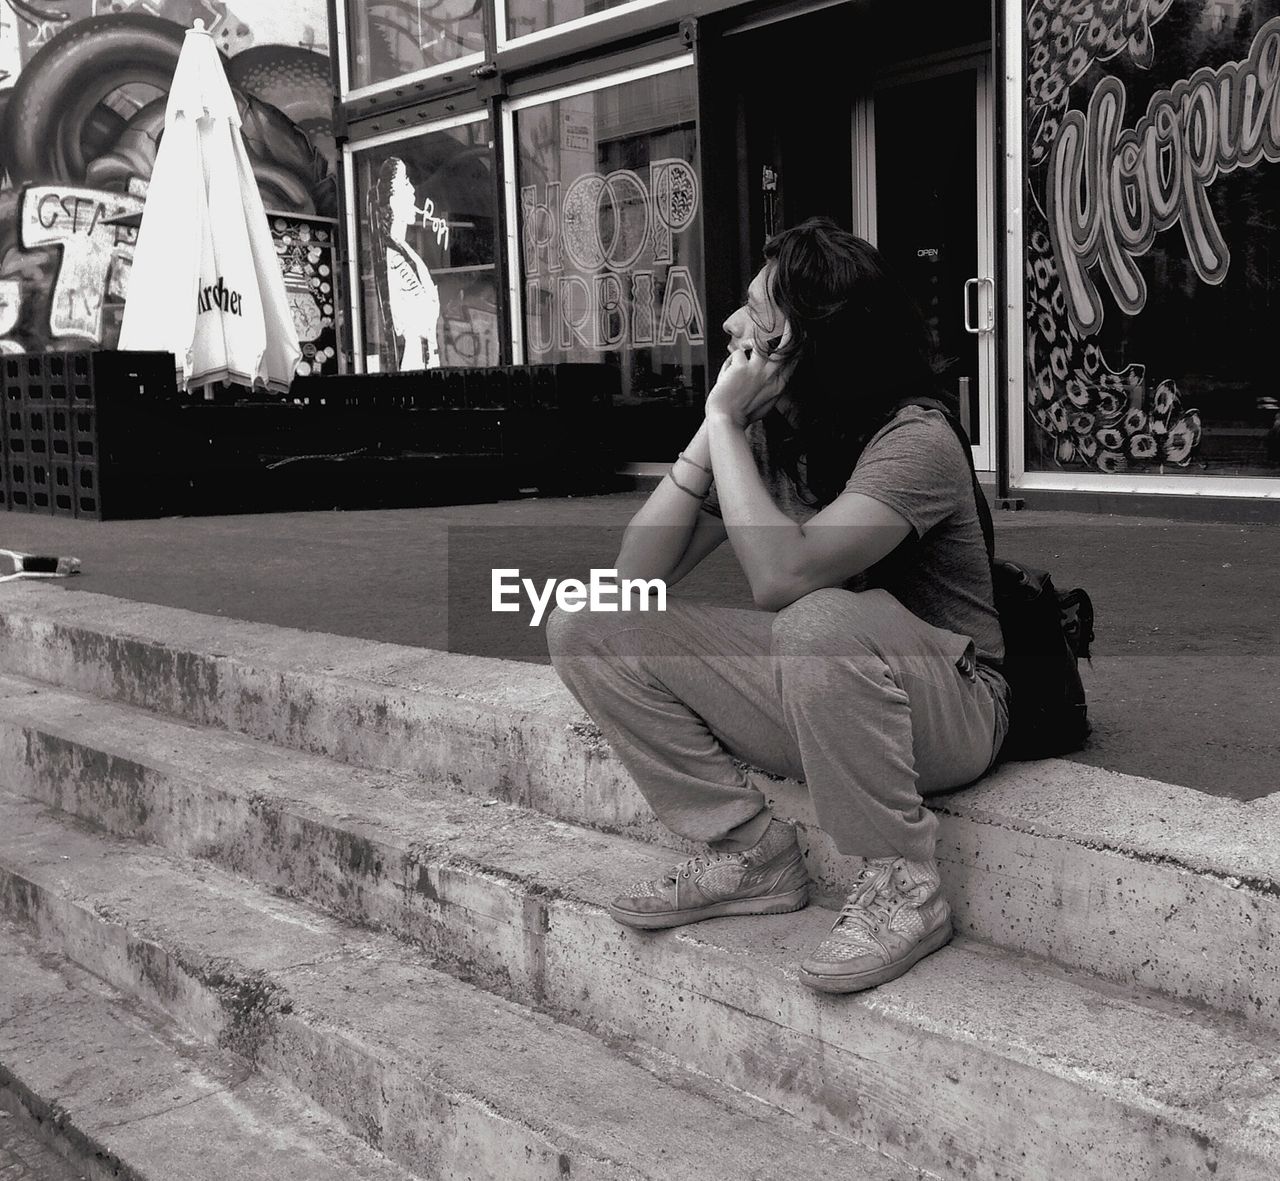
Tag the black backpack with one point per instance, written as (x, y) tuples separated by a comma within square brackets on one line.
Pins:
[(1046, 633)]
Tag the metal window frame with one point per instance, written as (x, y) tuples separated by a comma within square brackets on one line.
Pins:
[(1015, 401), (343, 44), (536, 99), (502, 41), (984, 455), (349, 153), (1206, 487), (863, 155)]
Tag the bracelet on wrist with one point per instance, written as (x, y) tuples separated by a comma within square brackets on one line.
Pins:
[(695, 463), (671, 475)]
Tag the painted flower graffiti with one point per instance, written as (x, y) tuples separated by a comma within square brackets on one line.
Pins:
[(1090, 414)]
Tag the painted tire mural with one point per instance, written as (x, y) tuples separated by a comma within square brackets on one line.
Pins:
[(58, 103), (295, 81), (79, 130), (56, 95)]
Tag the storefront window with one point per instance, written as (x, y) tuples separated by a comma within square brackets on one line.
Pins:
[(610, 230), (425, 229), (1152, 245), (532, 16), (390, 39)]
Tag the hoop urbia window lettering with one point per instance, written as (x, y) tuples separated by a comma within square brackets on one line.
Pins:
[(603, 228), (609, 216)]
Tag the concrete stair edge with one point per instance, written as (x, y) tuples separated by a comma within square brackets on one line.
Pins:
[(126, 1094), (1203, 1078), (225, 672), (1130, 917), (443, 1078)]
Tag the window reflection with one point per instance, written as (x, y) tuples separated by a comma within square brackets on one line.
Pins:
[(392, 38), (611, 233), (532, 16)]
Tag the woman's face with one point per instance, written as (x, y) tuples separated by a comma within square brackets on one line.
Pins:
[(758, 321)]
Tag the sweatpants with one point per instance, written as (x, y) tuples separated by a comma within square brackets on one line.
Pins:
[(869, 705)]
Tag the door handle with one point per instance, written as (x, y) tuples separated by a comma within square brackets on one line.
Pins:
[(988, 319), (969, 326)]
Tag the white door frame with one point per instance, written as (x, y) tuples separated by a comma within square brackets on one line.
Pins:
[(865, 221)]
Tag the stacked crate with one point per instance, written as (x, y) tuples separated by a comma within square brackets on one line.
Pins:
[(104, 434), (500, 428), (86, 434)]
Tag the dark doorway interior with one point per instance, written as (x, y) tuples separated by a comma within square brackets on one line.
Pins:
[(778, 104)]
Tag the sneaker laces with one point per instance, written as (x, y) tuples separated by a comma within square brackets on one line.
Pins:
[(870, 904), (700, 862)]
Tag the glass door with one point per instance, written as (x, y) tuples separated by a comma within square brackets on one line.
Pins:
[(922, 145)]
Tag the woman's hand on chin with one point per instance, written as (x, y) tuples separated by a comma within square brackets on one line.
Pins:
[(750, 382)]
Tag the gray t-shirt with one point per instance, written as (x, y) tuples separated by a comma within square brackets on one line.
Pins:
[(940, 571)]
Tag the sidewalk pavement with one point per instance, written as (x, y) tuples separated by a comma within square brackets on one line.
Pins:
[(1184, 685)]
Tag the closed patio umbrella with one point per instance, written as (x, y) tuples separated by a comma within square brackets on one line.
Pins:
[(205, 283)]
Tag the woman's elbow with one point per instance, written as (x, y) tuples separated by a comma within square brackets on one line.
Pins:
[(633, 562), (781, 590), (773, 594)]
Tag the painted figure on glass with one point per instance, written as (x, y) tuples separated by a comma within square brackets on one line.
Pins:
[(408, 298)]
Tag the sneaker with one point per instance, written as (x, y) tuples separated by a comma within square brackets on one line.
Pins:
[(895, 916), (768, 878)]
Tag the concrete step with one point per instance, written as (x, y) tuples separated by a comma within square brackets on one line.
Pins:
[(439, 1076), (512, 899), (1138, 882), (127, 1093)]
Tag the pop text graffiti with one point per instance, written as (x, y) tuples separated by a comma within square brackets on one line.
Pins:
[(436, 223)]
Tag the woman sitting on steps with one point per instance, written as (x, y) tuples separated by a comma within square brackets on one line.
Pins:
[(871, 670)]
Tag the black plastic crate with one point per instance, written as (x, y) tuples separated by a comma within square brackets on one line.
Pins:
[(543, 391), (86, 492), (39, 487), (35, 431), (84, 433), (62, 489), (16, 482), (112, 413), (14, 427), (452, 384), (61, 449), (137, 449), (580, 385), (519, 382)]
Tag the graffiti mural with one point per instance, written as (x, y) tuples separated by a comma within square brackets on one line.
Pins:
[(83, 87), (1092, 414), (1152, 238)]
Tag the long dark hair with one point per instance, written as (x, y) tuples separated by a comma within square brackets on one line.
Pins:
[(859, 347)]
